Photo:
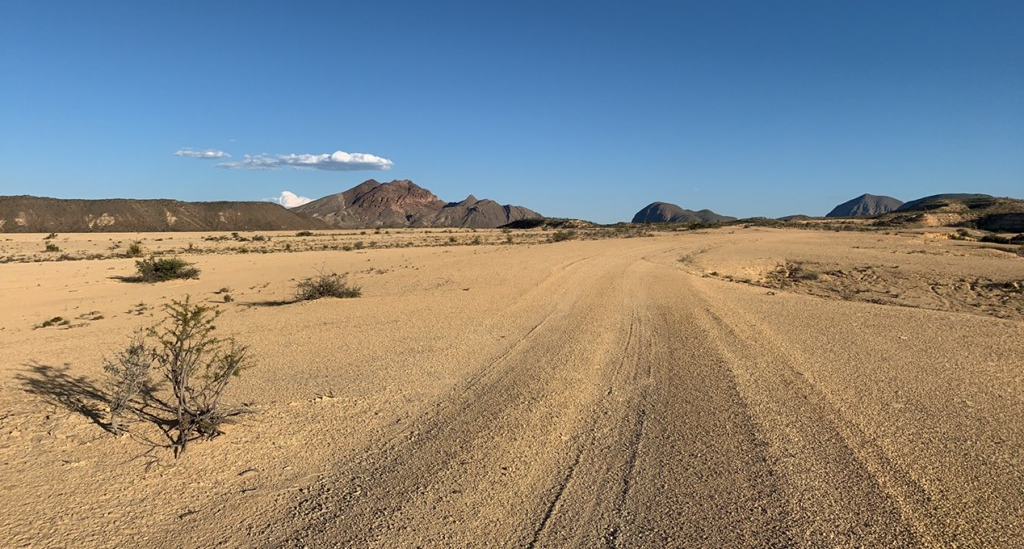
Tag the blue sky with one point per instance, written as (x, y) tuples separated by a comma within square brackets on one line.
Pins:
[(585, 109)]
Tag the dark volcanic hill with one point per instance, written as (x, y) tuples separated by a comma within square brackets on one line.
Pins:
[(28, 214), (865, 205), (374, 204), (480, 214), (663, 212), (404, 204)]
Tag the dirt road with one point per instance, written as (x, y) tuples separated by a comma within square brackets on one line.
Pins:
[(647, 408), (595, 394)]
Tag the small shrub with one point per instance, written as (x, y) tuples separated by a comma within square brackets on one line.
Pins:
[(325, 285), (51, 247), (228, 298), (560, 236), (476, 240), (304, 233), (164, 268), (50, 236), (359, 244), (134, 250), (198, 367)]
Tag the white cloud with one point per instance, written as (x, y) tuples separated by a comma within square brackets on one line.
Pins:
[(289, 199), (336, 161), (251, 162), (208, 153)]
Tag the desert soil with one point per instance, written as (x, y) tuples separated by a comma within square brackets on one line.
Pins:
[(694, 389)]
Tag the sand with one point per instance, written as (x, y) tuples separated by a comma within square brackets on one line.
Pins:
[(692, 389)]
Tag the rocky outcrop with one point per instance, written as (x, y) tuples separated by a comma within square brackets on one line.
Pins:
[(663, 212), (865, 205)]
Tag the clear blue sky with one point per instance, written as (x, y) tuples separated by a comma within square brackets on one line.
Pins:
[(585, 109)]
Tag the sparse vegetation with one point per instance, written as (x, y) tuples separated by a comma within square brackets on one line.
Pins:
[(196, 365), (560, 236), (164, 268), (128, 374), (51, 247), (304, 233), (50, 236), (326, 285), (134, 250)]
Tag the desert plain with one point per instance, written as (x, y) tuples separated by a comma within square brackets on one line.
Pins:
[(732, 387)]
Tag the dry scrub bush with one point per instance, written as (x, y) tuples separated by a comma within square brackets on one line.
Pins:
[(164, 268), (129, 374), (195, 364), (325, 285)]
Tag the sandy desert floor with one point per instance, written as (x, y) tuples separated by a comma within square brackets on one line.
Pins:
[(724, 388)]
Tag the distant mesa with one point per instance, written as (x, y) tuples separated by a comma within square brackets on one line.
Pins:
[(403, 203), (663, 212), (32, 214), (937, 201), (367, 205), (865, 205)]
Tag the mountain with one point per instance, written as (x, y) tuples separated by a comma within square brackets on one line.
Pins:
[(28, 214), (480, 214), (373, 204), (937, 201), (402, 203), (663, 212), (865, 205)]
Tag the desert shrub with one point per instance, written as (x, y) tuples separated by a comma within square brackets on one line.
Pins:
[(164, 268), (51, 247), (325, 285), (560, 236), (50, 236), (134, 250), (304, 233), (128, 374), (359, 245), (476, 240), (196, 365)]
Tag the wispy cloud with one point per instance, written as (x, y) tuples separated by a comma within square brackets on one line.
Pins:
[(336, 161), (252, 162), (289, 199), (208, 153)]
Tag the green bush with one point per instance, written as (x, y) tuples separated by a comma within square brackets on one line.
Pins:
[(164, 268), (51, 247), (325, 285)]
